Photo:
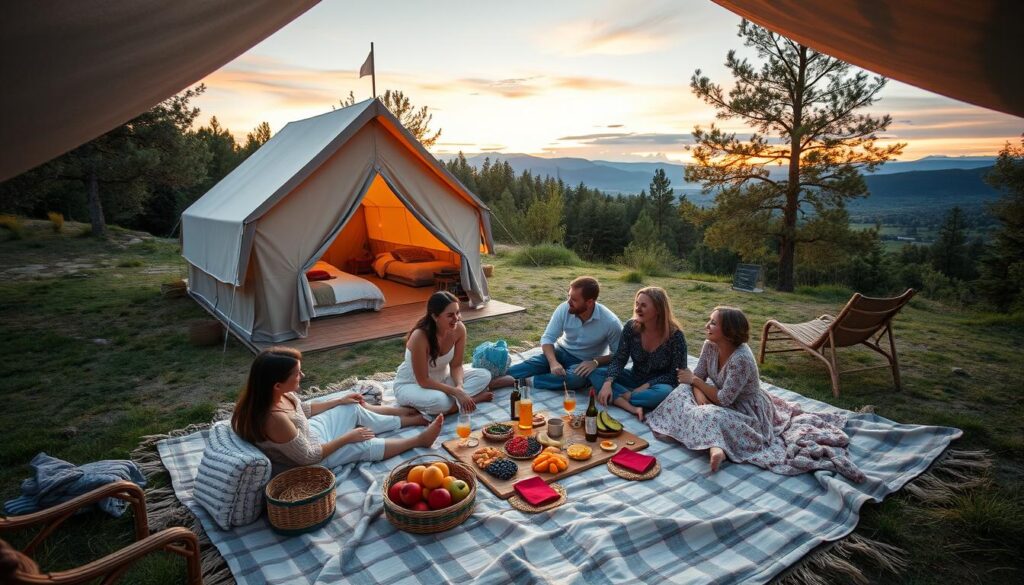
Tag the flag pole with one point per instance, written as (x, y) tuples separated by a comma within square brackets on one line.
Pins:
[(373, 74)]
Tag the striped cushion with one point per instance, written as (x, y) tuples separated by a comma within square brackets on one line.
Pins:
[(231, 477)]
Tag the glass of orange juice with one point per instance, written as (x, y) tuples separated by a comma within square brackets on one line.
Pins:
[(569, 402), (463, 428)]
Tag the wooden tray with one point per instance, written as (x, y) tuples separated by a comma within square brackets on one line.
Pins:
[(504, 489)]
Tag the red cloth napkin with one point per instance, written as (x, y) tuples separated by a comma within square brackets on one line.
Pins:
[(535, 491), (318, 275), (633, 461)]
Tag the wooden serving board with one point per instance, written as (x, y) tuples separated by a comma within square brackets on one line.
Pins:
[(504, 489)]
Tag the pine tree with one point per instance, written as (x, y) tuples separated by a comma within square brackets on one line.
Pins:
[(949, 252), (1002, 268), (808, 102)]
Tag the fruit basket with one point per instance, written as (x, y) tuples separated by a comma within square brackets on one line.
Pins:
[(301, 500), (498, 436), (533, 448), (429, 521)]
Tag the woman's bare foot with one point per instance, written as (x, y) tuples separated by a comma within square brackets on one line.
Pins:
[(501, 382), (430, 434), (485, 396), (639, 412), (716, 457)]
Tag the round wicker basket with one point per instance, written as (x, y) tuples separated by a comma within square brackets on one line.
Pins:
[(429, 521), (301, 500)]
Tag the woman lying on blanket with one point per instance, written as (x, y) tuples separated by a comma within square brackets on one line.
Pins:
[(432, 378), (655, 343), (334, 432), (720, 406)]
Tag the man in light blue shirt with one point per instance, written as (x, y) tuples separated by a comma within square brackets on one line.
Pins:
[(578, 342)]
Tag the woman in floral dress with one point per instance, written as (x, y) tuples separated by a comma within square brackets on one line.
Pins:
[(655, 343), (721, 407)]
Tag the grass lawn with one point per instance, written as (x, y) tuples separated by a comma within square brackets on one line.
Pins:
[(98, 358)]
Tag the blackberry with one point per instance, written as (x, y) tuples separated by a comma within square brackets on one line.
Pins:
[(503, 468), (533, 445)]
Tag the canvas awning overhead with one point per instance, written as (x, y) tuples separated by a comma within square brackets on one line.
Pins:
[(965, 49), (73, 70)]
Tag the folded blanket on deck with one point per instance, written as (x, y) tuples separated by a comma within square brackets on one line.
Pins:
[(57, 481), (741, 525)]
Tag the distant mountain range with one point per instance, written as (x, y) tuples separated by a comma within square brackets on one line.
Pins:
[(941, 180), (631, 177)]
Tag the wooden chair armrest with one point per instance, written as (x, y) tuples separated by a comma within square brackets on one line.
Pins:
[(54, 516), (178, 540)]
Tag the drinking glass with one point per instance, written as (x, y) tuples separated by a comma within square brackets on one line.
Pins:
[(569, 402), (463, 428)]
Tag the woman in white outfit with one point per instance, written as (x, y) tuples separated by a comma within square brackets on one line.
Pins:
[(432, 378), (333, 432)]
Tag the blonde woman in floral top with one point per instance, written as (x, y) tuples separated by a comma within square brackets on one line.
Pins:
[(655, 343)]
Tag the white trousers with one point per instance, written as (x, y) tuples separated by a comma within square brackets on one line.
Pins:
[(427, 401), (341, 419)]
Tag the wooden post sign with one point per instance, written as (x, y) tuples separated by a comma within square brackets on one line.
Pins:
[(747, 277)]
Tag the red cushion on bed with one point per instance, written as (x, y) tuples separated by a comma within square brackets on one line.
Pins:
[(318, 275)]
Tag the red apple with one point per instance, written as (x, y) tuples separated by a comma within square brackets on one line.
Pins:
[(411, 493), (439, 498), (459, 490), (421, 506), (395, 492)]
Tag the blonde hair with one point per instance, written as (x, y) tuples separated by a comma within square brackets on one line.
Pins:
[(659, 298)]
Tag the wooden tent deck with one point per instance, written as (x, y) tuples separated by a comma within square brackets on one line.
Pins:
[(391, 321)]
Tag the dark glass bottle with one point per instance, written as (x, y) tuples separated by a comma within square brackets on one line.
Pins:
[(514, 400), (590, 420)]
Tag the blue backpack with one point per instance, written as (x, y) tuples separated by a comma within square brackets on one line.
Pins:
[(493, 357)]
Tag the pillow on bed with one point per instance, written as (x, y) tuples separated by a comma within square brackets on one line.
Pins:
[(380, 265), (318, 275), (412, 255)]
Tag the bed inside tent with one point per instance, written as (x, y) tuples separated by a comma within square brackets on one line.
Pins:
[(385, 244)]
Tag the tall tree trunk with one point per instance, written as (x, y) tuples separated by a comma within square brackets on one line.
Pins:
[(787, 244), (99, 223)]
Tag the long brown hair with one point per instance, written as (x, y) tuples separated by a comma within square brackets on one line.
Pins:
[(270, 367), (659, 298), (734, 324), (436, 305)]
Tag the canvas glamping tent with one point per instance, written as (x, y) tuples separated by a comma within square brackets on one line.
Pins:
[(334, 186)]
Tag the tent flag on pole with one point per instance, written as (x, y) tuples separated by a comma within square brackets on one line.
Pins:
[(368, 69)]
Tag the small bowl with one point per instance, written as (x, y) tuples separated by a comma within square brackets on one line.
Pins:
[(583, 456), (496, 436), (555, 427)]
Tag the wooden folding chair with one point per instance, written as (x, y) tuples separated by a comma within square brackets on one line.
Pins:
[(17, 567), (863, 321)]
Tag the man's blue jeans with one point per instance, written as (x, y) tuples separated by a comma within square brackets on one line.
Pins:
[(537, 366)]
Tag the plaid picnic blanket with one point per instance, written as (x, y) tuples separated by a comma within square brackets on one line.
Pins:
[(742, 524)]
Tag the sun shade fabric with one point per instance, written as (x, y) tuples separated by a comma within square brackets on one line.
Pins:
[(73, 70), (965, 49), (258, 230)]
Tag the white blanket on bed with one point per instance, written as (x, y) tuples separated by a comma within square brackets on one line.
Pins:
[(348, 287)]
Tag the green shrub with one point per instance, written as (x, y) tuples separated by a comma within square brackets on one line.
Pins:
[(633, 276), (13, 225), (56, 221), (545, 255), (653, 259)]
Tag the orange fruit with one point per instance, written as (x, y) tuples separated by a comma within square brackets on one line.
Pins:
[(447, 482), (442, 465), (433, 477), (416, 474)]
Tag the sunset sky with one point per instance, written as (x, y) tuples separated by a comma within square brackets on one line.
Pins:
[(594, 79)]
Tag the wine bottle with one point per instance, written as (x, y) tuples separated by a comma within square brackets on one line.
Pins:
[(514, 400), (590, 421)]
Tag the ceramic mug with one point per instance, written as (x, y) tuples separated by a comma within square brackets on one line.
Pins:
[(555, 428)]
